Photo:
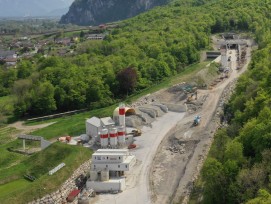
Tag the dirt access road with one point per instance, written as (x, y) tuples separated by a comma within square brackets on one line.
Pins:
[(180, 156), (24, 129)]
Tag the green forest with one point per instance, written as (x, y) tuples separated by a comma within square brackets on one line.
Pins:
[(238, 168), (145, 50)]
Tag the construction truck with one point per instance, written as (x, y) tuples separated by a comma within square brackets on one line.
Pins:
[(196, 120)]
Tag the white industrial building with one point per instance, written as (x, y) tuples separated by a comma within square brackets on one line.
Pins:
[(107, 122), (104, 132), (107, 169), (93, 126)]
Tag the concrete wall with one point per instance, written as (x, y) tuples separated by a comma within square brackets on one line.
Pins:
[(112, 185), (44, 143)]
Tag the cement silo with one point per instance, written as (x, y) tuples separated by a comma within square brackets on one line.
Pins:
[(104, 138), (121, 136), (122, 114), (113, 137)]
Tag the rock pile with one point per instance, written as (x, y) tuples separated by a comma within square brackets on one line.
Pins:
[(177, 148), (144, 100), (61, 194)]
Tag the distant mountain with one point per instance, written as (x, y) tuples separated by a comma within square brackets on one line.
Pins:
[(94, 12), (20, 8)]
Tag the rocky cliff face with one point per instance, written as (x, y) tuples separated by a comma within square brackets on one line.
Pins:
[(94, 12)]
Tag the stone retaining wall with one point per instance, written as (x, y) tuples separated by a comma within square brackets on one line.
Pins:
[(61, 194)]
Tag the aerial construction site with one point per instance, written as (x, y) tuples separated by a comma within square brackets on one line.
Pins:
[(171, 152), (152, 151)]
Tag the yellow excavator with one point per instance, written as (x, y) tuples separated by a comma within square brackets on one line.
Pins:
[(192, 96), (135, 133)]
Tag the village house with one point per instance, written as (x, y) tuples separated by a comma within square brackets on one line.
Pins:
[(95, 37)]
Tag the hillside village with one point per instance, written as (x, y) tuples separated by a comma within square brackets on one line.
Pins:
[(15, 49)]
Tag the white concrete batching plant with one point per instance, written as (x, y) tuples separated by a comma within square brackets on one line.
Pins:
[(107, 169)]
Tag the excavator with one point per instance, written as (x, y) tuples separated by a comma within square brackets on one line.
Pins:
[(192, 96), (135, 133)]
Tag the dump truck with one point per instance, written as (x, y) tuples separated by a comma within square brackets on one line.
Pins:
[(196, 120)]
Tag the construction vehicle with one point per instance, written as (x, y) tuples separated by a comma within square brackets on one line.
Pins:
[(135, 133), (132, 146), (196, 120), (189, 89), (192, 96)]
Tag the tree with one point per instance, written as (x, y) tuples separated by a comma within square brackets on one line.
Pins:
[(263, 197), (249, 182), (82, 34), (234, 151), (43, 101), (214, 178), (127, 79)]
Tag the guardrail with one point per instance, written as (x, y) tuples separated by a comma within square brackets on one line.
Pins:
[(58, 115)]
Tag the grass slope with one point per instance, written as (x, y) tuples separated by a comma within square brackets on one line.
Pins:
[(18, 190)]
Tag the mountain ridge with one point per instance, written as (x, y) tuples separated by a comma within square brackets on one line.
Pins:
[(94, 12)]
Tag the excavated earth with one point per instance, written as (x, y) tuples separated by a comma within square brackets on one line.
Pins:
[(182, 152)]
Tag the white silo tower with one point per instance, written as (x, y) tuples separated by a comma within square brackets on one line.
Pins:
[(122, 114), (113, 137), (121, 136), (104, 138)]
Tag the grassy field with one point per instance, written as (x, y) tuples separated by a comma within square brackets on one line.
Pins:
[(18, 190), (7, 135)]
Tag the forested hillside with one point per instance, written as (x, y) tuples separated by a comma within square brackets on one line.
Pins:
[(238, 168), (149, 47), (154, 45), (239, 165)]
